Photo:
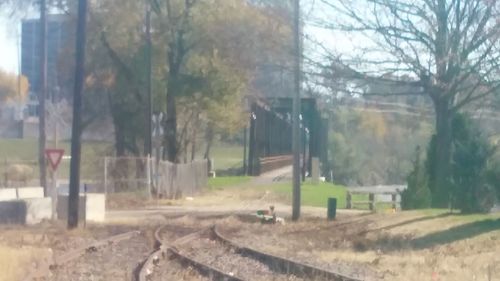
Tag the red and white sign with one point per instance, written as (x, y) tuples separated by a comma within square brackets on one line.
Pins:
[(54, 156)]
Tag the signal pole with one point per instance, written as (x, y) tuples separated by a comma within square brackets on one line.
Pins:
[(296, 112)]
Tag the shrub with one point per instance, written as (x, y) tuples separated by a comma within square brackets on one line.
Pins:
[(472, 182), (470, 189), (417, 195), (493, 175)]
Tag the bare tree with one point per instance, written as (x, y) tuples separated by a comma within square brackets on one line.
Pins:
[(176, 54), (448, 48)]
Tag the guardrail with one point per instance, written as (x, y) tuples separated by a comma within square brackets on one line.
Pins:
[(268, 164), (351, 203)]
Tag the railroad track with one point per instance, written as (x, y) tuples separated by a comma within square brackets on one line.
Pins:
[(43, 272), (163, 250), (281, 264), (232, 260)]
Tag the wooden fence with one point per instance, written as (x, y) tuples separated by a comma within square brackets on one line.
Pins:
[(370, 199)]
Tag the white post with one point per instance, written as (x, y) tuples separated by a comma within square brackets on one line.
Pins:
[(315, 170), (148, 171), (105, 176), (54, 195)]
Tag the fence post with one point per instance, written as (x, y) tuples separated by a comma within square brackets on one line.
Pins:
[(148, 176), (371, 198), (105, 176), (5, 174), (349, 201), (394, 200)]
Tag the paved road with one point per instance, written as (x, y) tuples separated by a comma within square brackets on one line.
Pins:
[(282, 174), (153, 214)]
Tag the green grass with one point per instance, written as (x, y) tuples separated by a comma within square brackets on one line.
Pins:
[(317, 195), (18, 149), (312, 195), (227, 156), (25, 151), (220, 183)]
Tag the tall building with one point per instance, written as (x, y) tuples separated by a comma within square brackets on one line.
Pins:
[(59, 33)]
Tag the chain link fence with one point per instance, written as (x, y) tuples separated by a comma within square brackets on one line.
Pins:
[(145, 177), (178, 180), (127, 175), (141, 177), (17, 173)]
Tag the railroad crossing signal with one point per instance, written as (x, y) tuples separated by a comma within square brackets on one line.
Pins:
[(157, 126), (54, 156)]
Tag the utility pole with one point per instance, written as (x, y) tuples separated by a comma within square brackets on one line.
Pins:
[(42, 92), (245, 132), (149, 142), (76, 146), (296, 111)]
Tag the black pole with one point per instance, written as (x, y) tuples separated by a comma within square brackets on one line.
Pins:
[(296, 112), (149, 143), (42, 93), (304, 153), (74, 179), (252, 143), (245, 130)]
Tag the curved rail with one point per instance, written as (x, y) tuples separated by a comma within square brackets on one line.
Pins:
[(162, 250), (281, 264), (203, 268), (278, 264), (43, 272)]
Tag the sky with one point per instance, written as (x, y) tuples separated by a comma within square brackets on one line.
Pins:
[(8, 47), (8, 40)]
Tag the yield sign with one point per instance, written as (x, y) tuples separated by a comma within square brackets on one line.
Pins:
[(54, 156)]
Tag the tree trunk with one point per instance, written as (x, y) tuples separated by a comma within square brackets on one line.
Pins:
[(171, 123), (209, 140), (195, 135), (120, 165), (185, 152), (119, 140), (442, 161), (149, 124)]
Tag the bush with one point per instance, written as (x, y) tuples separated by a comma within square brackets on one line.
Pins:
[(493, 175), (417, 195), (470, 189), (473, 180)]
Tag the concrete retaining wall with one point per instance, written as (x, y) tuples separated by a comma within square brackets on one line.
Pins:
[(38, 209), (28, 206), (26, 211), (13, 212), (20, 193), (30, 192), (93, 207), (62, 207), (96, 207), (7, 194)]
